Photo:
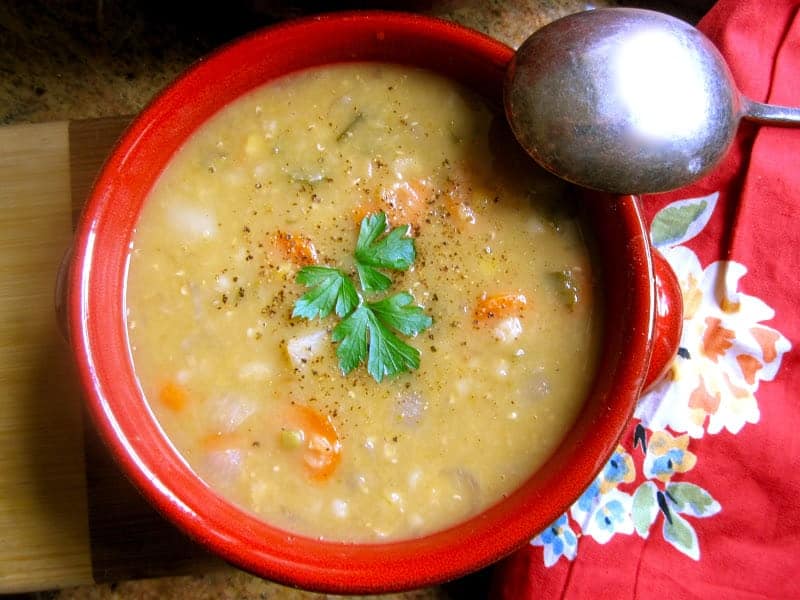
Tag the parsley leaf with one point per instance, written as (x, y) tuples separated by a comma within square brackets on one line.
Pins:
[(371, 279), (385, 353), (388, 354), (395, 312), (331, 290), (377, 249), (351, 334)]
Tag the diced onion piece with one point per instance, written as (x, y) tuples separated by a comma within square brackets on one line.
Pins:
[(255, 145), (414, 478), (255, 371), (410, 407), (462, 487), (340, 508), (224, 467), (192, 223), (507, 330), (539, 386), (229, 411), (302, 350)]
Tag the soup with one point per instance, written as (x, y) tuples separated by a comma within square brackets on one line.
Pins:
[(356, 310)]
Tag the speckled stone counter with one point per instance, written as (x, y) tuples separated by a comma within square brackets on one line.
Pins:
[(78, 59), (75, 59)]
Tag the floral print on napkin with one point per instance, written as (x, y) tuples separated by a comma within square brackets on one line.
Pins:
[(709, 388)]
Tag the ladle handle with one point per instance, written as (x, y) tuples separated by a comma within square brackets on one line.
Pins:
[(772, 114)]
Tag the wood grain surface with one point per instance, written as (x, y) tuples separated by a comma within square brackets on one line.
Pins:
[(67, 515), (44, 539)]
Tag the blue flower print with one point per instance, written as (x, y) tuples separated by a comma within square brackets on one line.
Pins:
[(619, 468), (665, 465), (610, 516), (558, 540), (589, 497)]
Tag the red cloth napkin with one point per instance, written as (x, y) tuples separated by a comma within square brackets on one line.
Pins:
[(702, 497)]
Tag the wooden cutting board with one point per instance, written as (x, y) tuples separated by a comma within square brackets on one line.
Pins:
[(67, 516)]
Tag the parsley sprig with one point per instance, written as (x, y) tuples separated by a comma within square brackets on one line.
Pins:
[(374, 251), (368, 330)]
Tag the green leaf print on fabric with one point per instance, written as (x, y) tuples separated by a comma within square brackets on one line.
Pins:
[(682, 220), (645, 508), (691, 499), (678, 532)]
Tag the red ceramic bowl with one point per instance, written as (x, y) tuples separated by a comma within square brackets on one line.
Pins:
[(95, 309)]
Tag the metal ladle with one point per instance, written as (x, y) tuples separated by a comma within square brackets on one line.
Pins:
[(627, 101)]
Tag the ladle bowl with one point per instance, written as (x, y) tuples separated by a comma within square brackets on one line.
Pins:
[(627, 101)]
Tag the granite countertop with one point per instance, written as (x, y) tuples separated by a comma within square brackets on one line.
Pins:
[(76, 59)]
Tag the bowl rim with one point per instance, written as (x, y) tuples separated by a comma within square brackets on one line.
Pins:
[(94, 319)]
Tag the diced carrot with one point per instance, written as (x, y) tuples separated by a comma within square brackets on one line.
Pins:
[(318, 441), (173, 396), (466, 192), (405, 203), (459, 208), (297, 248), (499, 307), (219, 442)]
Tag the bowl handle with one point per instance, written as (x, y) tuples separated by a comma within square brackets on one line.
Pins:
[(60, 293), (668, 321)]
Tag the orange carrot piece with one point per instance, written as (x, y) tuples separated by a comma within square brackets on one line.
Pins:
[(297, 248), (404, 203), (467, 189), (173, 396), (320, 442), (499, 306), (219, 442), (460, 211)]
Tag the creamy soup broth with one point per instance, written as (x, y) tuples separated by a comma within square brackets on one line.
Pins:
[(280, 179)]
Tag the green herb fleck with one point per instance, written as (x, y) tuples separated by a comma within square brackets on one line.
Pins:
[(291, 438), (347, 132), (566, 286), (307, 178)]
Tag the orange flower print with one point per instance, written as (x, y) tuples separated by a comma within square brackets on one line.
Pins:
[(724, 355), (767, 340), (716, 339), (749, 366)]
